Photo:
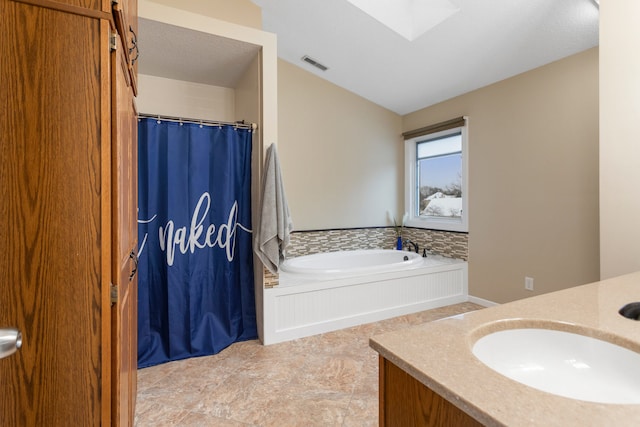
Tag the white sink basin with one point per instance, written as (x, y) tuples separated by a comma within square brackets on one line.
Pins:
[(564, 363)]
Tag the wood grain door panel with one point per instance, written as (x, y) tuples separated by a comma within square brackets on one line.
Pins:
[(406, 402), (125, 13), (55, 80), (125, 231)]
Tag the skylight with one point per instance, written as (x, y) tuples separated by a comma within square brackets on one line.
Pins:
[(409, 18)]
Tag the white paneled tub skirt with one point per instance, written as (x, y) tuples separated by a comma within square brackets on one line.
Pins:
[(329, 291)]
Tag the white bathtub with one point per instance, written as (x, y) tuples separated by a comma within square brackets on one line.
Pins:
[(329, 291), (351, 263)]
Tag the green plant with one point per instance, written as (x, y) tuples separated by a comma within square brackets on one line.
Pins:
[(399, 228)]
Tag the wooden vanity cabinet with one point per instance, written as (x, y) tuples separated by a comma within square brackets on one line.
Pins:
[(68, 181), (406, 402)]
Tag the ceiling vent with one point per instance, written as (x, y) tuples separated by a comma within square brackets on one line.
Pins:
[(315, 63)]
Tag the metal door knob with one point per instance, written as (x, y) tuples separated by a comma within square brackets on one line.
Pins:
[(10, 341)]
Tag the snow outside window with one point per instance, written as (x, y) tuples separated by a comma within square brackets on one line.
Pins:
[(436, 180)]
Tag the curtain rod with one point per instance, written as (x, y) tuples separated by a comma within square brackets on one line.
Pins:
[(239, 124), (438, 127)]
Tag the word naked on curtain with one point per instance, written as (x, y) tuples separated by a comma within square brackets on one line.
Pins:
[(195, 283)]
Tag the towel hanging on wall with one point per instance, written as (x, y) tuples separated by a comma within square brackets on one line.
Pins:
[(275, 224)]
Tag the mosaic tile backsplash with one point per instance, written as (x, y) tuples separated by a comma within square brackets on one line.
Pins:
[(449, 244), (312, 242)]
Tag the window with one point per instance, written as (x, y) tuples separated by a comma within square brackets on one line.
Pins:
[(436, 178)]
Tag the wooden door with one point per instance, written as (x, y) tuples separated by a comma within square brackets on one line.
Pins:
[(55, 219), (125, 13), (125, 233)]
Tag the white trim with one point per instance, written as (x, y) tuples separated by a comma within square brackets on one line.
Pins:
[(482, 302), (317, 306), (410, 176)]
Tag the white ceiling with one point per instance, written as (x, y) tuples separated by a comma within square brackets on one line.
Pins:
[(183, 54), (484, 42)]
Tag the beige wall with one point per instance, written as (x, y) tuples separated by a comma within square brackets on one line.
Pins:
[(619, 137), (340, 154), (248, 108), (533, 171), (169, 97), (242, 12), (533, 178)]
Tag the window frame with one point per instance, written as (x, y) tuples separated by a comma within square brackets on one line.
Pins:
[(410, 184)]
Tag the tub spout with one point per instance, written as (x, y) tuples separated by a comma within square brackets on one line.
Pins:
[(408, 242)]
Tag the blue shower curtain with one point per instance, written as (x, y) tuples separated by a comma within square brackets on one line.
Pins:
[(195, 283)]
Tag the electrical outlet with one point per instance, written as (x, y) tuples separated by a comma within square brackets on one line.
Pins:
[(528, 283)]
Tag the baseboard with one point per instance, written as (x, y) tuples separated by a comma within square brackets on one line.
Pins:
[(482, 302)]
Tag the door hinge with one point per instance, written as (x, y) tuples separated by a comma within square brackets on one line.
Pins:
[(114, 294), (113, 42)]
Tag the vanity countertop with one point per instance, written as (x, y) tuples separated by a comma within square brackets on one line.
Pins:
[(438, 354)]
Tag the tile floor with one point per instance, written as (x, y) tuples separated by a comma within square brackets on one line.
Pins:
[(323, 380)]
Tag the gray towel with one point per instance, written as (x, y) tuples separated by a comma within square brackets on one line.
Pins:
[(275, 225)]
